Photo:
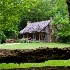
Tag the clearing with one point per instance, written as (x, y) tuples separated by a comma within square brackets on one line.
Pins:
[(32, 45)]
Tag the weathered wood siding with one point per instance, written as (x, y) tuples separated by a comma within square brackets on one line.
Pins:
[(46, 33), (46, 30)]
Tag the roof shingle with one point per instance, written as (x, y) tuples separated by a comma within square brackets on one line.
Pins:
[(35, 27)]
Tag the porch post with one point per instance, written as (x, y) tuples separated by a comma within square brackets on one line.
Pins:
[(23, 35), (39, 36), (27, 35), (33, 36)]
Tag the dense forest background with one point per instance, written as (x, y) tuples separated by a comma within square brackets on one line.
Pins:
[(14, 15)]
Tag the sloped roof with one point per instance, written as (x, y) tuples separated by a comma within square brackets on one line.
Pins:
[(35, 27)]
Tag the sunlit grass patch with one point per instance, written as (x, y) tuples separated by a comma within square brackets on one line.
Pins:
[(32, 45), (27, 65)]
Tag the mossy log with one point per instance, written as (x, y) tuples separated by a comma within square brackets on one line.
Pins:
[(33, 55)]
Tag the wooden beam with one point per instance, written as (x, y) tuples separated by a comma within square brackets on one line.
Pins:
[(33, 36), (23, 35), (39, 36), (27, 35)]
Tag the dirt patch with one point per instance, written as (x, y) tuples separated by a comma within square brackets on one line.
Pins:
[(37, 55), (12, 43)]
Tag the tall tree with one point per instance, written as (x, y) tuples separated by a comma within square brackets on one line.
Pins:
[(12, 12), (9, 16)]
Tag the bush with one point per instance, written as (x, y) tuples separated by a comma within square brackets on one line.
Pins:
[(64, 39), (23, 40), (17, 40), (34, 41)]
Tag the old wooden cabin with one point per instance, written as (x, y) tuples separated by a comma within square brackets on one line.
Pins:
[(38, 31)]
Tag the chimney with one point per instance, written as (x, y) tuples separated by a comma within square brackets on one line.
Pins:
[(28, 22)]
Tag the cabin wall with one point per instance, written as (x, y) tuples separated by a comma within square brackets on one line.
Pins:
[(46, 33), (46, 30)]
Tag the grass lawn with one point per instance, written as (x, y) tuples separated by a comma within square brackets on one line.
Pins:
[(32, 45), (27, 65)]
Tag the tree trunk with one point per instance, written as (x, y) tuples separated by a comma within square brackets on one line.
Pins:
[(68, 3)]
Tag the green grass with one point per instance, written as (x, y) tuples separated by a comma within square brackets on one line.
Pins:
[(32, 45), (27, 65)]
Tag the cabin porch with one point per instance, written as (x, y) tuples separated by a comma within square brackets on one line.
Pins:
[(41, 36)]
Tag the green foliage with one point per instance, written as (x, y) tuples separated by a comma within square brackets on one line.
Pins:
[(12, 12), (64, 39), (9, 17), (34, 41), (2, 36), (61, 20), (23, 40)]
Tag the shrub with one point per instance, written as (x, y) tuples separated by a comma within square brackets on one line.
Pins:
[(64, 39), (23, 40), (17, 40), (34, 41)]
